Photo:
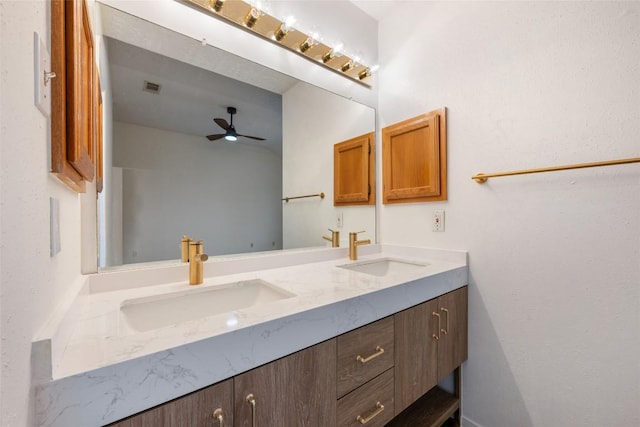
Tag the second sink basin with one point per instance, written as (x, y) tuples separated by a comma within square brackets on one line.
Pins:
[(385, 266), (157, 311)]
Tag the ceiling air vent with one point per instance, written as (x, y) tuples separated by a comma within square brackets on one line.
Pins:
[(151, 87)]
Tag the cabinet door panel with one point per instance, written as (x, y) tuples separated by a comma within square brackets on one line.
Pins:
[(452, 346), (297, 390), (193, 410), (415, 353)]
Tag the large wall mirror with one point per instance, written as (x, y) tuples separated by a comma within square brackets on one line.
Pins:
[(164, 178)]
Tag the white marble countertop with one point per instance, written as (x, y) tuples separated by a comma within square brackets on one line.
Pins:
[(94, 369)]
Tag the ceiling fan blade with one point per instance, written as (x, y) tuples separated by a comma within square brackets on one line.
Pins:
[(215, 136), (252, 137), (222, 123)]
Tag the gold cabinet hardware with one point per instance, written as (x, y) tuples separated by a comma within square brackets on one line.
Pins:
[(219, 415), (375, 413), (251, 400), (437, 337), (445, 331), (379, 351)]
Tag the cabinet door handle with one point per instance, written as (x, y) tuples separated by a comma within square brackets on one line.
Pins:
[(379, 351), (437, 337), (375, 413), (252, 401), (219, 415), (446, 331)]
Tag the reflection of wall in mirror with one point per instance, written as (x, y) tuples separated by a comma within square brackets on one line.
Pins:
[(173, 184), (307, 149)]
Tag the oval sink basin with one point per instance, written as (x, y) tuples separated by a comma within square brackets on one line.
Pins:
[(385, 266), (157, 311)]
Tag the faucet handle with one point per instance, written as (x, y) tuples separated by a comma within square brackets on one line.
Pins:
[(357, 232)]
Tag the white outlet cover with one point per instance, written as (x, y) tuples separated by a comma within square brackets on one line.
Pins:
[(42, 64), (438, 221)]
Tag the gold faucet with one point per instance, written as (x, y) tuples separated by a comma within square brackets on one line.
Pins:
[(353, 244), (196, 258), (334, 239), (184, 248)]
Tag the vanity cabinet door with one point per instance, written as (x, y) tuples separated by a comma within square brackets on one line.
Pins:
[(210, 407), (416, 353), (297, 390), (452, 345), (431, 342)]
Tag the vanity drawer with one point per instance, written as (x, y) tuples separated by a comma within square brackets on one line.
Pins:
[(373, 403), (364, 354)]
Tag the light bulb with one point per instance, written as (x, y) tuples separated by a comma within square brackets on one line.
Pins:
[(252, 17)]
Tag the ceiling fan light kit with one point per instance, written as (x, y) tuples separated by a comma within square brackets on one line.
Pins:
[(230, 134), (258, 22)]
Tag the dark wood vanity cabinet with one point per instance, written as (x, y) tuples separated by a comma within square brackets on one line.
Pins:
[(297, 390), (193, 410), (383, 373), (431, 343)]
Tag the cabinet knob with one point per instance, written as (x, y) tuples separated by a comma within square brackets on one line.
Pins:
[(446, 331), (437, 337), (251, 400), (219, 415)]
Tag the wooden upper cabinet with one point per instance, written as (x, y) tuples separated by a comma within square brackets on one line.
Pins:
[(73, 94), (414, 159), (353, 171)]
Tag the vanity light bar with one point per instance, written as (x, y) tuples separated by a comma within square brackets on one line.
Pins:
[(252, 19)]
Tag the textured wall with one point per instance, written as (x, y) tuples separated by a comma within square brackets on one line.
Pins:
[(32, 282), (554, 258)]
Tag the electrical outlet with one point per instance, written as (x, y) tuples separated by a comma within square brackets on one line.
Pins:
[(438, 220), (340, 219)]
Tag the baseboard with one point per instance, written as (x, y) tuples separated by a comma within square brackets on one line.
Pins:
[(466, 422)]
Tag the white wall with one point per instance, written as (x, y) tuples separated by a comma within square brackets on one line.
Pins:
[(554, 258), (32, 282), (307, 149), (237, 187)]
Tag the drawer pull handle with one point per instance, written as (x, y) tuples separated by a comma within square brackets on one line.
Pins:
[(252, 401), (446, 331), (378, 352), (378, 410), (436, 337), (218, 415)]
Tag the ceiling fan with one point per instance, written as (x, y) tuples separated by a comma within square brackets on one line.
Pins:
[(230, 131)]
